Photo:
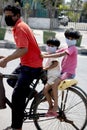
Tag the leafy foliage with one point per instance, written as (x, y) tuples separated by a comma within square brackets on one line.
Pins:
[(50, 3)]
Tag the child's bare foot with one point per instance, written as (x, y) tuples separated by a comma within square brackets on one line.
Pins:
[(51, 113), (2, 57)]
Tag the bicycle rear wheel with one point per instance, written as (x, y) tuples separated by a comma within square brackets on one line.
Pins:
[(72, 112)]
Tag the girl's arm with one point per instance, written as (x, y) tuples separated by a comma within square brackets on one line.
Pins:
[(2, 57), (53, 65), (55, 55)]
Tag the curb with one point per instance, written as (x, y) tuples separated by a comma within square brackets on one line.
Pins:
[(11, 45), (7, 44), (82, 51)]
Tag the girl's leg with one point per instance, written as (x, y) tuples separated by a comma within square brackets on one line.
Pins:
[(55, 93), (47, 95)]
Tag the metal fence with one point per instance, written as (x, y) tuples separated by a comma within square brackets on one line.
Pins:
[(77, 26), (77, 18)]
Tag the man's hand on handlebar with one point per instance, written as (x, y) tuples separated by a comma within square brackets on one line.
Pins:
[(3, 63), (2, 57)]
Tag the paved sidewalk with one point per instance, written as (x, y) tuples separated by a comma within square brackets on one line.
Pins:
[(8, 41)]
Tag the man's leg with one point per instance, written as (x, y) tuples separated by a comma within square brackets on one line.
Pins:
[(21, 90), (18, 100), (12, 81)]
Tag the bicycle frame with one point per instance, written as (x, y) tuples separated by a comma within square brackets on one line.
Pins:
[(29, 111), (33, 85)]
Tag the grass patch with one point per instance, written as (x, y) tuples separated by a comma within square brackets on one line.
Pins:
[(2, 33), (47, 35)]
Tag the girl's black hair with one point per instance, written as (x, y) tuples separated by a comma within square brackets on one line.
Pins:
[(72, 33), (14, 9), (53, 41)]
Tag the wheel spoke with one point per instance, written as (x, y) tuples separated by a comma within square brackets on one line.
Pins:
[(71, 104)]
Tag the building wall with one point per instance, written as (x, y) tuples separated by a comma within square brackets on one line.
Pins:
[(43, 23)]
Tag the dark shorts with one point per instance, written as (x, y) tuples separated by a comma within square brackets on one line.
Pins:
[(66, 75)]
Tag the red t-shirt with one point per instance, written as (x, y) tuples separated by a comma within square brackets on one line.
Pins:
[(24, 37)]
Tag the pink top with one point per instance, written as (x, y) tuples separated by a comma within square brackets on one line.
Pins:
[(69, 62)]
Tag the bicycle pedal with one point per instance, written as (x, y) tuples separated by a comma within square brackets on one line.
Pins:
[(32, 116)]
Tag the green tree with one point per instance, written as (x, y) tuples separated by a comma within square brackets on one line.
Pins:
[(76, 4), (25, 8), (63, 7), (76, 7), (27, 11), (2, 4), (51, 6), (83, 17), (85, 7)]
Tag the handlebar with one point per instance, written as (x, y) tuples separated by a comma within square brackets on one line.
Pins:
[(8, 75)]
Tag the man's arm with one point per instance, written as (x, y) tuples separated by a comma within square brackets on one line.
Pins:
[(16, 54)]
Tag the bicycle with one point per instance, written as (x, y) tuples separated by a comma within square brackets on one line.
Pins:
[(72, 104)]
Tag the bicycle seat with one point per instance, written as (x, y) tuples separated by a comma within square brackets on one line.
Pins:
[(67, 83)]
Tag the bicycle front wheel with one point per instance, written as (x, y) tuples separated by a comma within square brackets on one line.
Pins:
[(72, 112)]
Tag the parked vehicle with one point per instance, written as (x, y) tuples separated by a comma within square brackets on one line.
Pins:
[(63, 20)]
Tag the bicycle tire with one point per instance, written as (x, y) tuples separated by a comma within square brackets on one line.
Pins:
[(75, 111), (81, 91)]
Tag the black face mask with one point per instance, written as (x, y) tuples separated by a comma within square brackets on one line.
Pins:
[(9, 21)]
